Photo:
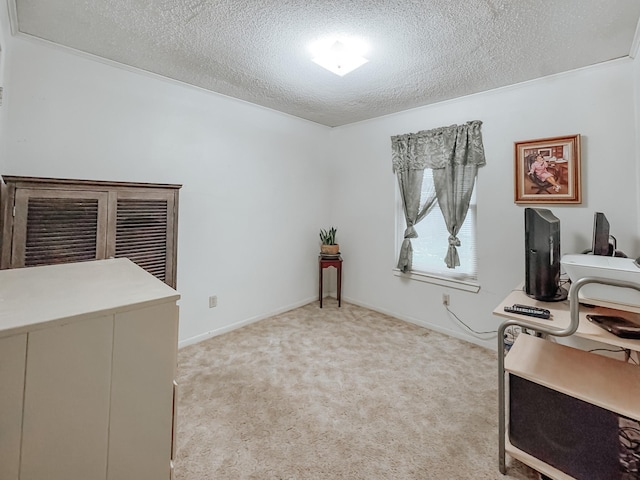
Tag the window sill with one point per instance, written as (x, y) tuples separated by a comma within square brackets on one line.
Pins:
[(467, 286)]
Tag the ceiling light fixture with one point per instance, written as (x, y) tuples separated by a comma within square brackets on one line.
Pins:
[(339, 58)]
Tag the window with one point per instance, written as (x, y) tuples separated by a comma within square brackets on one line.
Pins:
[(430, 248)]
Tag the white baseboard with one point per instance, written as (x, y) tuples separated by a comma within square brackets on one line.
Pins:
[(491, 344), (243, 323)]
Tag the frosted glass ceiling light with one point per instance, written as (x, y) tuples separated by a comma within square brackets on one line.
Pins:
[(339, 59)]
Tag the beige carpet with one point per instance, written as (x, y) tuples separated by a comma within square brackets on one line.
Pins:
[(338, 393)]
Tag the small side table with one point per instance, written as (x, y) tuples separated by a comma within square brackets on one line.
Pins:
[(324, 262)]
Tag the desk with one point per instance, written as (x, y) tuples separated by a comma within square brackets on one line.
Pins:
[(597, 380), (562, 171), (324, 262), (560, 318)]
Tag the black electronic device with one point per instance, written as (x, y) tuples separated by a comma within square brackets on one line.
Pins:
[(600, 244), (542, 255), (578, 438), (528, 310), (603, 243), (619, 326)]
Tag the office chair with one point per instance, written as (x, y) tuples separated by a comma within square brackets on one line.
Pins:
[(539, 185)]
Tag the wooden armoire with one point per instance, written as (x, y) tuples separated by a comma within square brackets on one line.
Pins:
[(50, 221)]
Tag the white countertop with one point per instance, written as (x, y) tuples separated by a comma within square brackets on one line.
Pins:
[(33, 297)]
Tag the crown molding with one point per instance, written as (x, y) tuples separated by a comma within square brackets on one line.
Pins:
[(13, 16), (635, 44)]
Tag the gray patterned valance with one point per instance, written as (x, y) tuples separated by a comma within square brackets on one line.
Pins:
[(437, 148)]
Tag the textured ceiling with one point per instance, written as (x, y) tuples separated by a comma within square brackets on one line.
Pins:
[(421, 51)]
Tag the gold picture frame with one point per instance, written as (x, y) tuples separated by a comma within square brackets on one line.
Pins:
[(548, 170)]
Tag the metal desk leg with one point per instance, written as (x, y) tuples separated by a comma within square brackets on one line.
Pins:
[(320, 283), (501, 401)]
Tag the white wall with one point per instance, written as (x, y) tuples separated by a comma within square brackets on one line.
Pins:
[(259, 184), (4, 50), (253, 185), (595, 102), (636, 82)]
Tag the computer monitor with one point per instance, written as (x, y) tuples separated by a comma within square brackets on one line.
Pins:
[(542, 255), (600, 244)]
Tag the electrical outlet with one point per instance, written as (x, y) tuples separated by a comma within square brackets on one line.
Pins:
[(445, 299), (213, 301)]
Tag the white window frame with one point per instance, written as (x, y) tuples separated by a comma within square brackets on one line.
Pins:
[(434, 277)]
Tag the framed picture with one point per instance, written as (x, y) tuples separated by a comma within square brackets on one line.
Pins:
[(548, 170)]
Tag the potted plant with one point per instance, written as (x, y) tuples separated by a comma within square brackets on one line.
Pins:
[(328, 242)]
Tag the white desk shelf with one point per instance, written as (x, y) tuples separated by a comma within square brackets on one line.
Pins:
[(561, 317), (579, 374)]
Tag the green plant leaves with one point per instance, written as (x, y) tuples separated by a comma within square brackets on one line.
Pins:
[(328, 237)]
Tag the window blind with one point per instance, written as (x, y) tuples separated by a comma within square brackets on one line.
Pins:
[(430, 248)]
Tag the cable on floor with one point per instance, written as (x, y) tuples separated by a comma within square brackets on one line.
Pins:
[(467, 326)]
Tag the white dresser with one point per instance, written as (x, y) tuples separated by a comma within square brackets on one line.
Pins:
[(88, 356)]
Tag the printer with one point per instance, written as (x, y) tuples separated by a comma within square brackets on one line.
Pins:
[(578, 266)]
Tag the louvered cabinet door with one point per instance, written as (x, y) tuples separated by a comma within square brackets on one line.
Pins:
[(145, 231), (58, 226), (46, 221)]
